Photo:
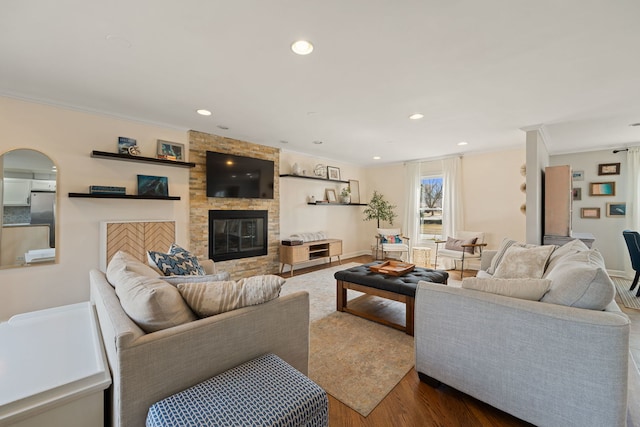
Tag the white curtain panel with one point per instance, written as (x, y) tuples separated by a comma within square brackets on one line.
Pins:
[(633, 201), (412, 219), (452, 218)]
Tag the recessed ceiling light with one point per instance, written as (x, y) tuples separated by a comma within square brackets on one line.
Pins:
[(317, 142), (204, 112), (222, 127), (376, 157), (282, 141), (462, 143), (634, 124), (416, 116), (302, 47)]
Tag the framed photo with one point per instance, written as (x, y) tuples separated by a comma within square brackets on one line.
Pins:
[(331, 195), (354, 186), (125, 143), (149, 185), (170, 150), (602, 189), (333, 173), (577, 193), (616, 209), (590, 213), (609, 169), (578, 175)]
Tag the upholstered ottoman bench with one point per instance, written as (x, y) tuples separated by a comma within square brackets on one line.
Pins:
[(397, 288), (265, 391)]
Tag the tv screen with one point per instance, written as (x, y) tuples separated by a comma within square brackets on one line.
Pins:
[(229, 175)]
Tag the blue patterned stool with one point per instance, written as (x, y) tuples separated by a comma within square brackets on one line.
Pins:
[(266, 391)]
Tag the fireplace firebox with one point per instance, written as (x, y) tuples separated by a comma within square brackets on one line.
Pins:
[(235, 234)]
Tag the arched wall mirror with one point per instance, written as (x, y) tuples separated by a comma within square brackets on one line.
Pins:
[(29, 214)]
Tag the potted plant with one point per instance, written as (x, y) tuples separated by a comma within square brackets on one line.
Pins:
[(345, 195), (379, 209)]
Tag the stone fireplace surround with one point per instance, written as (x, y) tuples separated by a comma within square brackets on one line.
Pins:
[(200, 204)]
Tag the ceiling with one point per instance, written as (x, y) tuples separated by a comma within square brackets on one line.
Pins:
[(479, 71)]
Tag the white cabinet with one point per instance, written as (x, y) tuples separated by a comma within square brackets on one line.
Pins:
[(43, 185), (16, 192)]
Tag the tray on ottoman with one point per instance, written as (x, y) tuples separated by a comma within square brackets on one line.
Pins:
[(392, 268)]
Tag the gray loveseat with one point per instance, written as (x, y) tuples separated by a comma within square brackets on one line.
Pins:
[(148, 367), (548, 364)]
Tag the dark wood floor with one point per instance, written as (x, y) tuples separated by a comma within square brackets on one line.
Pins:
[(413, 403)]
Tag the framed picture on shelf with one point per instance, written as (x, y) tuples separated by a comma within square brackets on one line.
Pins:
[(577, 193), (124, 144), (578, 175), (616, 209), (609, 169), (602, 189), (330, 194), (333, 173), (170, 150), (590, 213), (149, 185), (354, 186)]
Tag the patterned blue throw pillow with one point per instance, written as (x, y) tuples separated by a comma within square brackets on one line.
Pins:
[(178, 262)]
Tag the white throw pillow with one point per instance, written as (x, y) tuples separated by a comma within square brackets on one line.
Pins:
[(563, 251), (529, 289), (581, 281), (218, 277), (211, 298), (504, 245), (522, 263)]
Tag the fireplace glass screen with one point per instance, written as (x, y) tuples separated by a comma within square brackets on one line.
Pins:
[(237, 234)]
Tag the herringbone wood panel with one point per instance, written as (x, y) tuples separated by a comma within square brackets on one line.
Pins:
[(136, 238)]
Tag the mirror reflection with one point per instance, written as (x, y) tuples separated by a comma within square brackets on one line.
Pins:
[(28, 190)]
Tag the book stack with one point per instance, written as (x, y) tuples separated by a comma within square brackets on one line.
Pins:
[(101, 189)]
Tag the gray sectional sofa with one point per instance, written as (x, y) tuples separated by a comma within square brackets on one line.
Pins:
[(548, 363), (148, 367)]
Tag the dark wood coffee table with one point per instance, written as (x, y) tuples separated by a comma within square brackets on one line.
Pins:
[(396, 288)]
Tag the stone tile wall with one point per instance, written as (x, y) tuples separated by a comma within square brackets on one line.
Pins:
[(200, 204)]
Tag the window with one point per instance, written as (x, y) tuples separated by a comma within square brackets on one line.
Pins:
[(430, 209)]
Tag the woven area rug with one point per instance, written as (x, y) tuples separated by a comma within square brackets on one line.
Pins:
[(355, 360), (628, 298)]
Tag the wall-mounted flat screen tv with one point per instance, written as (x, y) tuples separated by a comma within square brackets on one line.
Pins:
[(234, 176)]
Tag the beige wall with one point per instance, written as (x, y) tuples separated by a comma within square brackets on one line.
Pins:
[(68, 137), (492, 195), (339, 222)]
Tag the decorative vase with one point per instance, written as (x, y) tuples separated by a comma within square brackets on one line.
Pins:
[(346, 199), (296, 169)]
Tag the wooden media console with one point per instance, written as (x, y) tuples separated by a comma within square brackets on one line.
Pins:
[(292, 255)]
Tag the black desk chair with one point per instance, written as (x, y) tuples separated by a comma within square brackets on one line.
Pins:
[(633, 243)]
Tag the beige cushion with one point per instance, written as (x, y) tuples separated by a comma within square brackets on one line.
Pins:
[(519, 262), (581, 281), (149, 301), (124, 260), (210, 298), (529, 289), (456, 244)]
